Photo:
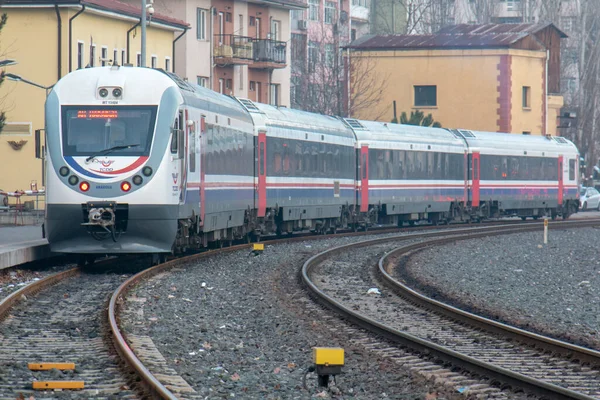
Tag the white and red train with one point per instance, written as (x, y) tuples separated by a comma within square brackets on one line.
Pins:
[(139, 161)]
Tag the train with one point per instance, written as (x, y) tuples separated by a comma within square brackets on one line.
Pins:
[(139, 160)]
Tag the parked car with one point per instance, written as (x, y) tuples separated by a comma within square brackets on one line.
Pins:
[(3, 200), (590, 199)]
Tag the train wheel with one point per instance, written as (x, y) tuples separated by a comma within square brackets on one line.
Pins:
[(523, 218)]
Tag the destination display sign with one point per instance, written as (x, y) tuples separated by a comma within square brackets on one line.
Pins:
[(97, 114)]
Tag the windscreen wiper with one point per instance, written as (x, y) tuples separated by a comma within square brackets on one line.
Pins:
[(109, 150)]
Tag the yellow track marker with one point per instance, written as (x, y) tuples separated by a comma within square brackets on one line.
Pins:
[(48, 366), (41, 385)]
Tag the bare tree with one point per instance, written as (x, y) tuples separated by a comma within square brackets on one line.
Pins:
[(366, 86)]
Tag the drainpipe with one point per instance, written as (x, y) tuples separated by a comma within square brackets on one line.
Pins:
[(176, 39), (71, 36), (128, 32), (59, 41), (212, 56), (546, 94)]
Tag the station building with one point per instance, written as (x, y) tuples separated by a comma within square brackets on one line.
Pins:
[(48, 39), (491, 77)]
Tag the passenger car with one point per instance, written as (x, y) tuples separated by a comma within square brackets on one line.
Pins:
[(590, 199)]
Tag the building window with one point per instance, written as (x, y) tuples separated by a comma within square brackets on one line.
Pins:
[(202, 81), (252, 21), (154, 61), (526, 97), (93, 56), (241, 78), (123, 57), (313, 10), (115, 59), (352, 35), (80, 55), (297, 14), (274, 95), (329, 54), (139, 59), (221, 85), (426, 96), (258, 28), (313, 55), (167, 64), (228, 84), (329, 12), (103, 56), (201, 24), (252, 86), (228, 17)]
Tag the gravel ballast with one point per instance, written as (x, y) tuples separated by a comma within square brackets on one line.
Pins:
[(517, 279), (239, 326)]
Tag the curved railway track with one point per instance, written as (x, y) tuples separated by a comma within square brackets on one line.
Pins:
[(48, 328), (504, 355)]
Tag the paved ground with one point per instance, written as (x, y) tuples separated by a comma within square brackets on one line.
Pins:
[(17, 234)]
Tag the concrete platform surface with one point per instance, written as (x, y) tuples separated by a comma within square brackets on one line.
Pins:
[(22, 244)]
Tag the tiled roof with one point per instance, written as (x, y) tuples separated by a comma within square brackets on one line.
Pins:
[(106, 5), (296, 4), (498, 29), (455, 36), (133, 11)]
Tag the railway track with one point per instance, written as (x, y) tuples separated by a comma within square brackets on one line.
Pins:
[(69, 324), (443, 336)]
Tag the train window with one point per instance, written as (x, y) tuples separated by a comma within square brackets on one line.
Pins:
[(571, 170), (174, 138), (261, 159), (192, 152), (364, 165)]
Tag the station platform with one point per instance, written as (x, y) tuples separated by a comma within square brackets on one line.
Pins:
[(22, 244)]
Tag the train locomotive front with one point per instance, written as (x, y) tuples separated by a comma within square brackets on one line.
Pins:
[(112, 182)]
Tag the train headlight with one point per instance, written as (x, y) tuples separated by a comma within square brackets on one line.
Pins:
[(64, 171), (103, 92), (137, 180), (73, 180), (84, 186), (125, 186), (147, 171)]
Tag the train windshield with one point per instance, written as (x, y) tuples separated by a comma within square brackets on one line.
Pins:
[(89, 129)]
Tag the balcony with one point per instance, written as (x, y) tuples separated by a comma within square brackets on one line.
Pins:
[(233, 50), (268, 54)]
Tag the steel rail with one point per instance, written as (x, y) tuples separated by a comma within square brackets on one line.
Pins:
[(11, 300), (428, 347), (148, 380)]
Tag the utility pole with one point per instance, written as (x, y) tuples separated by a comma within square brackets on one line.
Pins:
[(143, 63)]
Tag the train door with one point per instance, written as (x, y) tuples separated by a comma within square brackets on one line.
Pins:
[(202, 165), (364, 178), (560, 180), (475, 179), (193, 159), (261, 170), (177, 148)]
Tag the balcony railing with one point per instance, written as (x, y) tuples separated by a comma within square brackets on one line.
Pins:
[(258, 53), (233, 49), (269, 51)]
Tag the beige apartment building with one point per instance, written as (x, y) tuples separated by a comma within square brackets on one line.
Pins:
[(235, 47)]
